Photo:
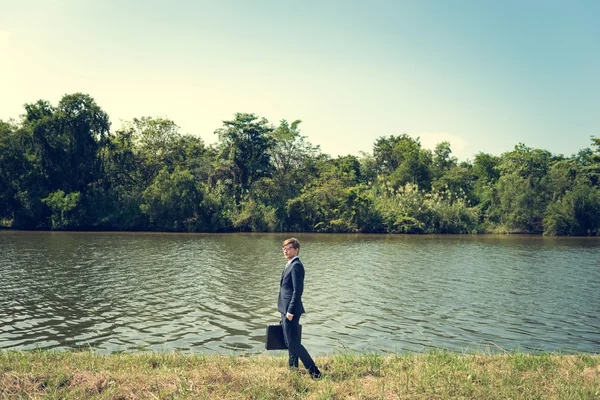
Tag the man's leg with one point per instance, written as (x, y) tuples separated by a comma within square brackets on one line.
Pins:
[(293, 358), (292, 340)]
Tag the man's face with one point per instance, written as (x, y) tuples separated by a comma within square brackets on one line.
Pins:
[(289, 251)]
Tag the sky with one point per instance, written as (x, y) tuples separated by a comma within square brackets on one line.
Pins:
[(483, 75)]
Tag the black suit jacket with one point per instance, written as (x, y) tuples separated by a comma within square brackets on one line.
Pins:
[(291, 288)]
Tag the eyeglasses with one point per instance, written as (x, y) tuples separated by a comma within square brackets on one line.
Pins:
[(287, 248)]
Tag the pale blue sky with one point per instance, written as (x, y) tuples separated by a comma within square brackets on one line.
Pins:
[(484, 75)]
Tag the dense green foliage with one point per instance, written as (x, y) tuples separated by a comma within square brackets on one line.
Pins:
[(62, 168)]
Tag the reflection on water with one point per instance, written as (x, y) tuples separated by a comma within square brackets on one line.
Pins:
[(216, 293)]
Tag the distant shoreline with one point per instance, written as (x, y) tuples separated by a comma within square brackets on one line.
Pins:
[(482, 234), (5, 228)]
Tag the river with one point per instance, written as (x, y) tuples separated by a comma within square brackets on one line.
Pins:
[(215, 293)]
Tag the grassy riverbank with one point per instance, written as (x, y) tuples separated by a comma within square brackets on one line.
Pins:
[(437, 375)]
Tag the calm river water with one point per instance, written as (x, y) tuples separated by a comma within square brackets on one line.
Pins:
[(216, 293)]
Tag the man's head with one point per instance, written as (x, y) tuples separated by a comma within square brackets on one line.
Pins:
[(291, 248)]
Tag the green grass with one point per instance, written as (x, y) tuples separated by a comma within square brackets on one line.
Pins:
[(347, 375)]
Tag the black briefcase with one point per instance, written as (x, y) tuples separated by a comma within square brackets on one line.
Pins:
[(275, 339)]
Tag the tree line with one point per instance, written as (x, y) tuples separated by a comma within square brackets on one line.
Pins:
[(62, 168)]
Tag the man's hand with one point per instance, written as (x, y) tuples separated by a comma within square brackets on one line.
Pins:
[(289, 316)]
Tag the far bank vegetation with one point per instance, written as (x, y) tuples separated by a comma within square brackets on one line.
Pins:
[(62, 168)]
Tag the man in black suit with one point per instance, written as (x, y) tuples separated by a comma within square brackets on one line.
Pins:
[(290, 306)]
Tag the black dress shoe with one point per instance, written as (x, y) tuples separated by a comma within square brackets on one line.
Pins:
[(315, 373)]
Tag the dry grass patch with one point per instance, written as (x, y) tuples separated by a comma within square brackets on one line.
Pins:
[(436, 375)]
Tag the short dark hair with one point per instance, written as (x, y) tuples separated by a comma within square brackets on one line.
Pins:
[(293, 241)]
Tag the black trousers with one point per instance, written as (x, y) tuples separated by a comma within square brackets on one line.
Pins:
[(292, 341)]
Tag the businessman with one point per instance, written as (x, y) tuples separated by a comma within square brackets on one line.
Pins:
[(290, 306)]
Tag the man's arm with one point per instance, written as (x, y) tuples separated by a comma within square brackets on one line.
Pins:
[(298, 283)]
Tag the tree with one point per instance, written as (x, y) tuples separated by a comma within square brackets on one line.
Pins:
[(442, 159), (289, 152), (189, 152), (575, 202), (448, 176), (484, 168), (119, 198), (12, 162), (368, 168), (403, 160), (591, 167), (174, 202), (457, 181), (59, 150), (575, 213), (63, 208), (245, 146), (521, 194), (525, 162), (154, 142), (293, 166), (67, 140), (327, 203)]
